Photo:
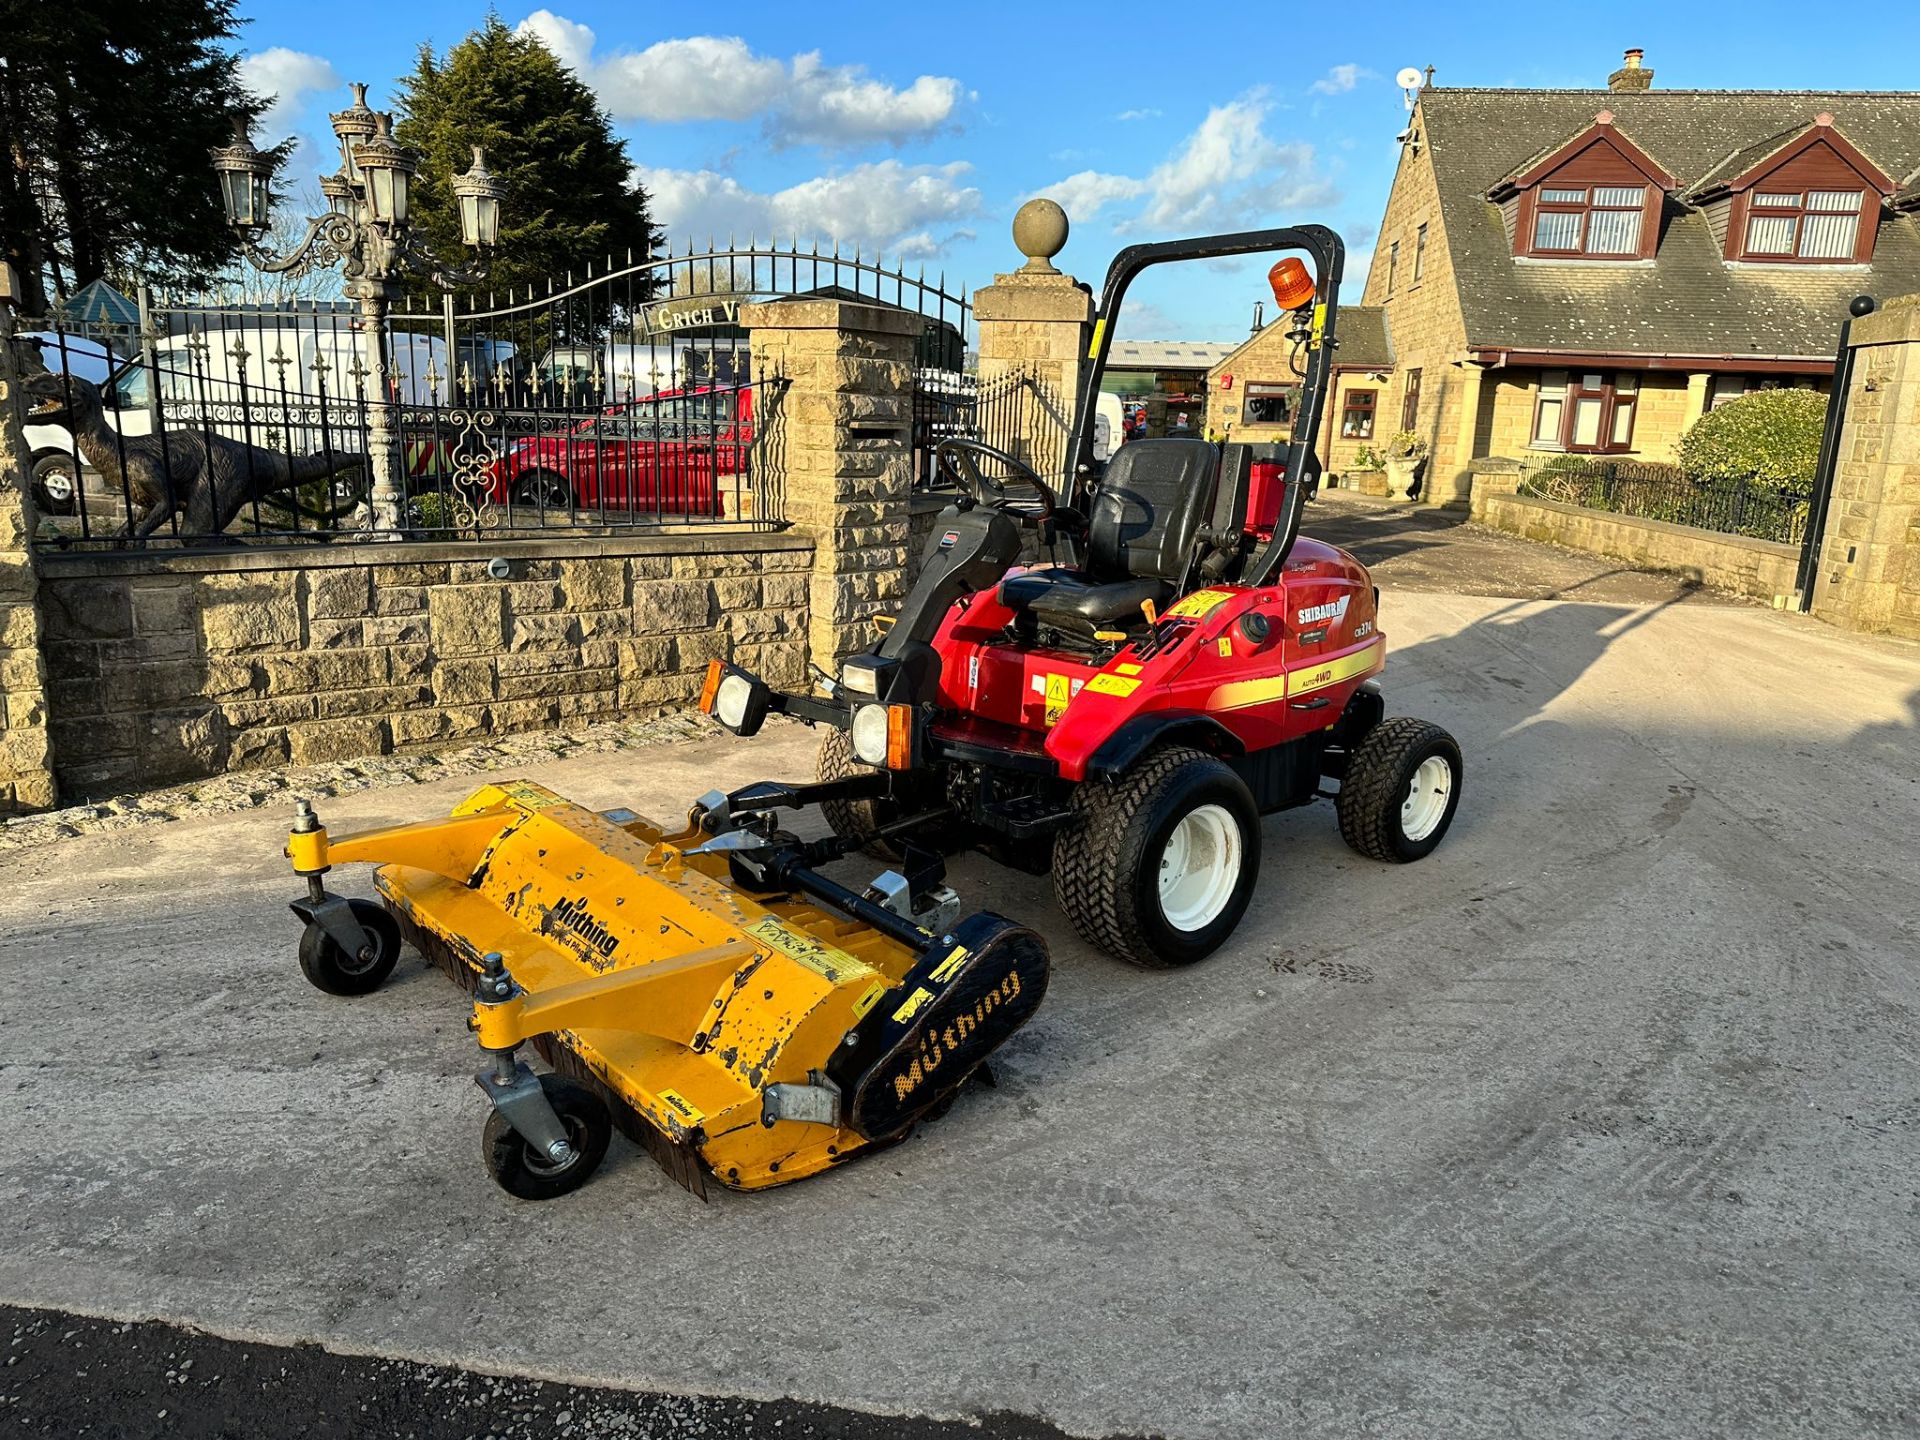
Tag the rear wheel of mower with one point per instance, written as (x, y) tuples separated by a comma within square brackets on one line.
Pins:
[(1401, 789), (1162, 865), (522, 1171), (329, 967)]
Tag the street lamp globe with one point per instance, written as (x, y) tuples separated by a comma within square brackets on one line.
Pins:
[(354, 126), (386, 171), (478, 195), (246, 180)]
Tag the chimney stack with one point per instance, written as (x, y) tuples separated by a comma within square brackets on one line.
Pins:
[(1632, 75)]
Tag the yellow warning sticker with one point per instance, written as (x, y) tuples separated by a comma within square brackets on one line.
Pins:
[(1112, 685), (950, 966), (688, 1113), (1201, 603), (1226, 647), (867, 997), (1099, 329), (911, 1007), (1127, 667), (1059, 691), (824, 960)]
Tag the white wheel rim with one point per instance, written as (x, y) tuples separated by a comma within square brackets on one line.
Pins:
[(1427, 796), (59, 485), (1200, 867)]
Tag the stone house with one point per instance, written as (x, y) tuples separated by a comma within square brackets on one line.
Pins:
[(1590, 271), (1252, 392)]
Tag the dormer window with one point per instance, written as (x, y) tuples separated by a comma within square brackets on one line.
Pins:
[(1595, 197), (1813, 225), (1804, 197), (1588, 220)]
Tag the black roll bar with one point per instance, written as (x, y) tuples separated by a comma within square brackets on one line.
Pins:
[(1329, 255)]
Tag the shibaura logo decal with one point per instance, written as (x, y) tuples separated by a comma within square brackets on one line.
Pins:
[(573, 916), (938, 1047), (1334, 610)]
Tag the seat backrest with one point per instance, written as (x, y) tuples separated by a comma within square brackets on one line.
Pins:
[(1151, 503)]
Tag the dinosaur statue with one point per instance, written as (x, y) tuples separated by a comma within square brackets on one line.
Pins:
[(204, 478)]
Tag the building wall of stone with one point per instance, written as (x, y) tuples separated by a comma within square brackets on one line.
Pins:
[(1869, 575), (163, 669), (1669, 402), (1424, 320)]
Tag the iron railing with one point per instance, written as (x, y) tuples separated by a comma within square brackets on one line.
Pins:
[(625, 396), (1015, 411), (1651, 491)]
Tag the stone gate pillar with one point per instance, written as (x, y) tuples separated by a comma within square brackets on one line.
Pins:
[(1869, 577), (26, 755), (1037, 319), (844, 445)]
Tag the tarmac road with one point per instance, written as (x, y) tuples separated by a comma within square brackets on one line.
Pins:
[(1604, 1118)]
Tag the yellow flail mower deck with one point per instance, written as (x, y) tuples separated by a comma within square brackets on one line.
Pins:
[(707, 990)]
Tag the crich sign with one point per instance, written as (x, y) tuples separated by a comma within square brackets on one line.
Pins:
[(690, 312)]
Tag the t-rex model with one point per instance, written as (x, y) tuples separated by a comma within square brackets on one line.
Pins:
[(204, 478)]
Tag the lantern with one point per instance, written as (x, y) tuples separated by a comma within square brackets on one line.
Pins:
[(478, 195), (353, 126), (386, 171), (246, 176)]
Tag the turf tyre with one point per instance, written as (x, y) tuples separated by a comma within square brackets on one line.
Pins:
[(1106, 867), (1375, 797)]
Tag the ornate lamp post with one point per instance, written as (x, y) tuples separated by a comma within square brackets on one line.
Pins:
[(367, 231)]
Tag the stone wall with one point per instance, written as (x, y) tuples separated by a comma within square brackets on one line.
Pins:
[(1759, 568), (173, 668), (26, 765), (1869, 576)]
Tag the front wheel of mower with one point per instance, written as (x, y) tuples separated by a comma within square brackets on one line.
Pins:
[(1162, 864), (522, 1171), (329, 967), (1400, 791)]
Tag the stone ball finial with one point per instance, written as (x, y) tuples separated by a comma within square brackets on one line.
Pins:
[(1040, 232)]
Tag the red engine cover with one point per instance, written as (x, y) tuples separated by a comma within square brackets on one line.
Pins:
[(1321, 642)]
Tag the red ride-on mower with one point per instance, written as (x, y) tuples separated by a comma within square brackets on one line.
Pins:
[(1123, 718)]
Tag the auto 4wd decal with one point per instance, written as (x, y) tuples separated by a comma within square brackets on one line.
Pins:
[(1300, 680)]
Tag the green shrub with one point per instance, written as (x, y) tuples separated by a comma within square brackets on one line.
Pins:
[(1770, 436)]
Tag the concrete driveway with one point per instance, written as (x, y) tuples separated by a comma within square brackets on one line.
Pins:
[(1605, 1118)]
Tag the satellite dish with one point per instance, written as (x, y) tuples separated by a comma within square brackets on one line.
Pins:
[(1409, 78)]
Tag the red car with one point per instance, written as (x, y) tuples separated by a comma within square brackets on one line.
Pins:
[(665, 454)]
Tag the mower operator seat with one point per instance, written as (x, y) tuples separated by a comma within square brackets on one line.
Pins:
[(1145, 517)]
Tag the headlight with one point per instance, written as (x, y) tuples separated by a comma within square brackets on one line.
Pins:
[(734, 698), (861, 679), (730, 703), (870, 734)]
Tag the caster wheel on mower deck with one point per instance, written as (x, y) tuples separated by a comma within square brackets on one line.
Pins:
[(1163, 864), (1401, 789), (522, 1171), (330, 968)]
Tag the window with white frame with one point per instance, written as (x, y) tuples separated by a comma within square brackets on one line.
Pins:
[(1586, 411)]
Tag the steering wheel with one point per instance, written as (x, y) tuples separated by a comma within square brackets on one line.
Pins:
[(961, 459)]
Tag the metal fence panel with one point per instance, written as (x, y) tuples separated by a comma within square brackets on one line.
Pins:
[(1651, 491)]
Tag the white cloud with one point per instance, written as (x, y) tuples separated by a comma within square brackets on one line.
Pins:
[(904, 210), (1340, 79), (284, 78), (1228, 172), (1085, 194), (1139, 115), (713, 77)]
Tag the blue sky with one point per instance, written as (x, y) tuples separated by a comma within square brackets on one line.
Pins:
[(919, 129)]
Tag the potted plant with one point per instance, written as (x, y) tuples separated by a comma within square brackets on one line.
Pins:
[(1406, 458)]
